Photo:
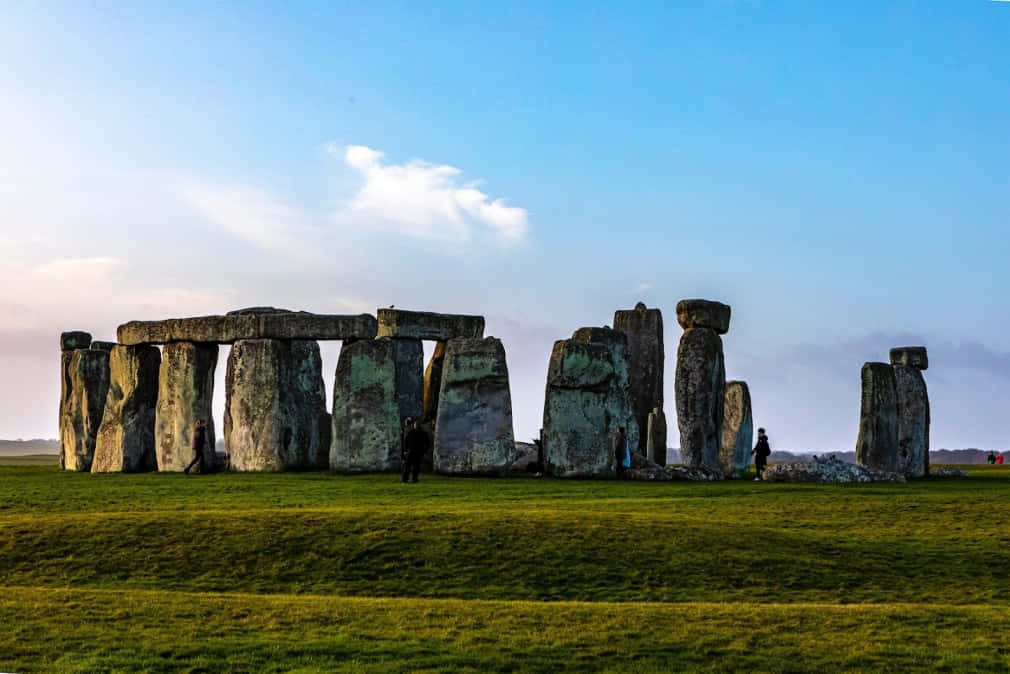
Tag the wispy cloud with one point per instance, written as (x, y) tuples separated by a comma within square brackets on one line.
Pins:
[(77, 269)]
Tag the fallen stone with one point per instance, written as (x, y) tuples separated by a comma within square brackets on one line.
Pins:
[(75, 339), (125, 440), (737, 429), (473, 432), (275, 406), (703, 314), (943, 471), (84, 387), (701, 397), (646, 469), (656, 445), (102, 346), (619, 403), (827, 470), (185, 395), (428, 325), (910, 356), (248, 324), (644, 330), (877, 445), (913, 420), (433, 381)]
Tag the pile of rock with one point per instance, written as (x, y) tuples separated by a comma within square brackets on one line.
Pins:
[(828, 470), (942, 471), (645, 469)]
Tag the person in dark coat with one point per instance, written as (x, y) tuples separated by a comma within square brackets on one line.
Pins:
[(415, 446), (620, 450), (199, 442), (762, 450)]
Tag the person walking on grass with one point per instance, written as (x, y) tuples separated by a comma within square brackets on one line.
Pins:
[(999, 459), (620, 451), (762, 450), (415, 446), (199, 442)]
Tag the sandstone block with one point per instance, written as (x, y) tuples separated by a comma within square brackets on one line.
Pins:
[(433, 380), (84, 387), (258, 323), (75, 339), (620, 386), (102, 346), (126, 437), (703, 314), (428, 325), (656, 446), (701, 397), (275, 408), (912, 356), (913, 421), (473, 433), (646, 356), (877, 445), (737, 429), (185, 395)]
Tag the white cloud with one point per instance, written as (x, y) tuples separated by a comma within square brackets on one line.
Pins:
[(427, 200), (77, 269)]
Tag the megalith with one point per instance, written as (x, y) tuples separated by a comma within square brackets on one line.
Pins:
[(275, 406), (473, 432), (378, 384), (913, 410), (620, 386), (433, 380), (701, 382), (185, 395), (125, 440), (84, 386), (877, 445), (656, 445), (644, 330), (737, 429)]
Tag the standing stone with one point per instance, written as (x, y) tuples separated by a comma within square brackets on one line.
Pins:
[(473, 433), (275, 408), (126, 438), (84, 387), (620, 389), (913, 409), (185, 395), (701, 382), (75, 339), (737, 429), (377, 385), (433, 381), (877, 445), (644, 329), (656, 445)]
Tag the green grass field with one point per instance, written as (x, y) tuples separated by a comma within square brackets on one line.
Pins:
[(319, 572)]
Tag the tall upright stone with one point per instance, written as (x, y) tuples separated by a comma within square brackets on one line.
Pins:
[(84, 386), (737, 429), (377, 385), (620, 390), (275, 408), (701, 382), (185, 395), (125, 440), (913, 410), (656, 445), (473, 433), (877, 445), (433, 380), (644, 329)]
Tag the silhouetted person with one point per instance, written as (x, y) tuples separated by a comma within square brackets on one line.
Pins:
[(620, 451), (415, 445), (990, 458), (199, 442), (762, 450), (408, 423), (999, 459)]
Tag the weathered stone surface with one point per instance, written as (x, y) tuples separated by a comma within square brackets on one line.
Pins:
[(877, 445), (75, 339), (620, 399), (433, 381), (126, 437), (377, 385), (656, 445), (275, 408), (703, 314), (84, 386), (913, 421), (701, 397), (185, 395), (473, 433), (827, 470), (259, 323), (942, 471), (646, 469), (644, 329), (737, 429), (102, 346), (428, 325), (912, 356)]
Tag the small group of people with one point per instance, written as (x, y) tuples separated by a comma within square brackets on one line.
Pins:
[(762, 450), (994, 458)]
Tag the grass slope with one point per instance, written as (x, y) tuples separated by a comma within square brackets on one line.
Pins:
[(280, 571)]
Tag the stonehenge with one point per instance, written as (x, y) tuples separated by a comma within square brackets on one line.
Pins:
[(185, 394), (656, 444), (877, 443), (125, 441), (737, 429), (84, 385), (701, 382), (257, 323), (433, 381), (427, 325), (644, 330)]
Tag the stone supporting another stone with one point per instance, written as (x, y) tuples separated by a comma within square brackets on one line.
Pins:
[(428, 325), (102, 346), (126, 437), (620, 389), (644, 329), (701, 382), (433, 381), (877, 445), (84, 386), (473, 433), (377, 385), (258, 323), (737, 429), (275, 407), (913, 419), (656, 445), (185, 395)]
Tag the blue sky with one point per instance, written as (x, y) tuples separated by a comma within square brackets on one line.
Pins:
[(837, 172)]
